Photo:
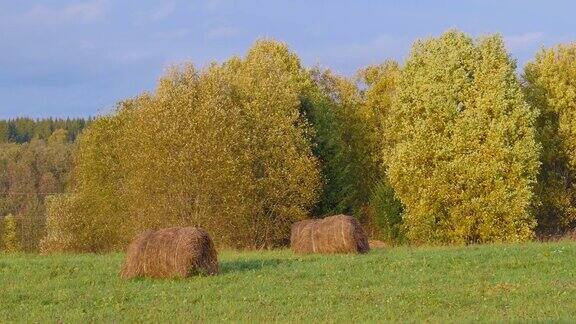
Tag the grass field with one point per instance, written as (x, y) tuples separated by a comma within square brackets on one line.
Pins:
[(534, 281)]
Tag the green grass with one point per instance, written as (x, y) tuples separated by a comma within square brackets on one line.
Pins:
[(533, 281)]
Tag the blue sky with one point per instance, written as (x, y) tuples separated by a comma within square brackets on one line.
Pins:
[(77, 58)]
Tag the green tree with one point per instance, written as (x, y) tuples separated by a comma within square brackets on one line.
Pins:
[(463, 157), (23, 130), (551, 88), (347, 142), (333, 108)]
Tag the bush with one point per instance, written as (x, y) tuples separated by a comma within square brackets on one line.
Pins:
[(385, 215), (10, 240), (66, 231), (463, 157)]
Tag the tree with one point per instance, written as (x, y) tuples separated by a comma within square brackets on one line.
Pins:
[(333, 108), (551, 88), (88, 217), (23, 130), (380, 82), (225, 148), (347, 142), (463, 157)]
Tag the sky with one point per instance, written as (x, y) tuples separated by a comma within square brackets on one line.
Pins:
[(78, 58)]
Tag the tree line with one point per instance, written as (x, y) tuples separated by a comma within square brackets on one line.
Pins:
[(29, 173), (449, 147), (35, 162), (22, 129)]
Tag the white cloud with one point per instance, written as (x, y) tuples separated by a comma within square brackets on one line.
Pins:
[(221, 32), (516, 42), (159, 13), (84, 12)]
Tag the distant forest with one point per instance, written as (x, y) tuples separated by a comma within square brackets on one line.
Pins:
[(23, 130), (35, 162)]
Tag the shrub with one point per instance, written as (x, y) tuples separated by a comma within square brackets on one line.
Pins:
[(385, 215), (10, 240), (463, 157), (67, 231)]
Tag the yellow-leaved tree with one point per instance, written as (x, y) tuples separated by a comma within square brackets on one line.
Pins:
[(380, 83), (551, 88), (462, 154), (226, 148)]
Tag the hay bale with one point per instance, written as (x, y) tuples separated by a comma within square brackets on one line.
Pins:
[(334, 234), (171, 252)]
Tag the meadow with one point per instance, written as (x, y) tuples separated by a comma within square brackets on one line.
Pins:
[(517, 282)]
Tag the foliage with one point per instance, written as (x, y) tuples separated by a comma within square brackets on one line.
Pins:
[(551, 87), (95, 194), (488, 283), (441, 150), (381, 83), (347, 141), (384, 209), (463, 157), (59, 209), (385, 215), (10, 241), (334, 109), (30, 172), (22, 129), (225, 148)]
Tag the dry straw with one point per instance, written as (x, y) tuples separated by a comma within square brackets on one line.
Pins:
[(334, 234), (171, 252)]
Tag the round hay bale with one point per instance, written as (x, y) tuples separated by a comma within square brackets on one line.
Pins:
[(334, 234), (177, 252)]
